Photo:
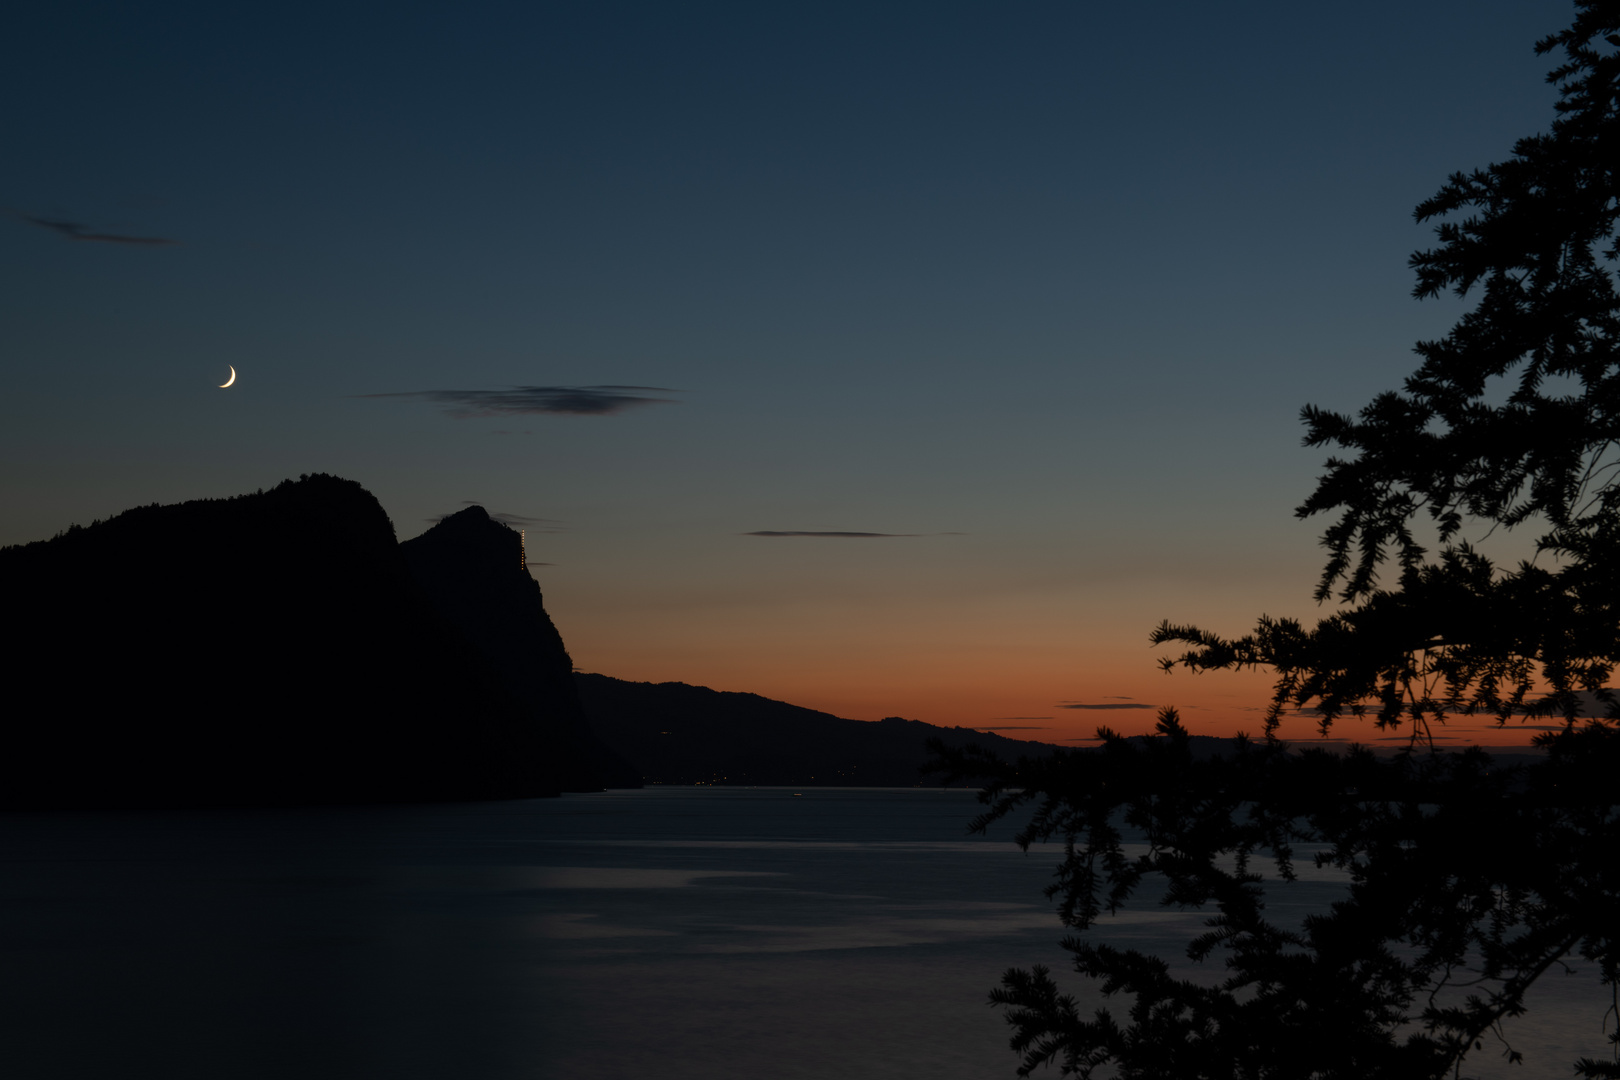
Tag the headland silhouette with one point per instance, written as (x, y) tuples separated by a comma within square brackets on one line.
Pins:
[(281, 648)]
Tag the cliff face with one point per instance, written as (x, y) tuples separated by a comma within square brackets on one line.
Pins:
[(267, 649), (472, 570)]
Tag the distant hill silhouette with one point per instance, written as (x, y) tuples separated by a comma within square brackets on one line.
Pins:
[(673, 733), (271, 648)]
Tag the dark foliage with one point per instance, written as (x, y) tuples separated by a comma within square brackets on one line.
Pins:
[(1512, 420), (1468, 880)]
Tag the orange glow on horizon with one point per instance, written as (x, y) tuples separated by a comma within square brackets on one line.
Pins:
[(1029, 703), (1049, 663)]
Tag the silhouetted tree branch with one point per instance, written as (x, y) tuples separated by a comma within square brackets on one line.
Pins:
[(1512, 419), (1466, 882)]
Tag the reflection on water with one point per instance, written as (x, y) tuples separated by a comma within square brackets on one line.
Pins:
[(680, 932)]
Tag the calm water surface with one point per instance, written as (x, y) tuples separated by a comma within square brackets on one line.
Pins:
[(679, 932)]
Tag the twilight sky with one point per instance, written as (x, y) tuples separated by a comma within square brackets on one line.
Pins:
[(883, 358)]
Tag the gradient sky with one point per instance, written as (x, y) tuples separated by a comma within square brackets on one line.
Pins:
[(1035, 291)]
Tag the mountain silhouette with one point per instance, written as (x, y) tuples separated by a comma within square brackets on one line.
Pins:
[(272, 648), (471, 569), (673, 733)]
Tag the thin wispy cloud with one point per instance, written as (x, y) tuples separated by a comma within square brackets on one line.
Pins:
[(602, 400), (1010, 727), (534, 524), (1424, 739), (840, 535), (837, 535), (519, 521), (76, 230), (1103, 705)]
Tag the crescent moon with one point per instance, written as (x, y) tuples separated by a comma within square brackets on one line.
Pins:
[(230, 380)]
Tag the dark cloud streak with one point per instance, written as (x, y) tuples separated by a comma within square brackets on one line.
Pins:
[(523, 400), (840, 535), (532, 524), (74, 230), (536, 524), (1010, 727), (1105, 705)]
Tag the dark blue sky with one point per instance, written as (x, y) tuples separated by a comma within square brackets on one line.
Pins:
[(1051, 280)]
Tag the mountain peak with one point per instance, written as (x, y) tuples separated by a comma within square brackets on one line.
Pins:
[(473, 517)]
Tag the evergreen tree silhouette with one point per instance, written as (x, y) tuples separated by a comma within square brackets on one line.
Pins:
[(1468, 881)]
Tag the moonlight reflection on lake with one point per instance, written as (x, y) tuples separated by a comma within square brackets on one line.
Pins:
[(679, 932)]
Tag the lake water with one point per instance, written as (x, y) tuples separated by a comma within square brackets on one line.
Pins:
[(677, 932)]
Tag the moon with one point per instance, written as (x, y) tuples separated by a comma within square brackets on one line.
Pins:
[(230, 380)]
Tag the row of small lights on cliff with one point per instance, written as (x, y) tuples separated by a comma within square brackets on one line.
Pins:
[(523, 547)]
